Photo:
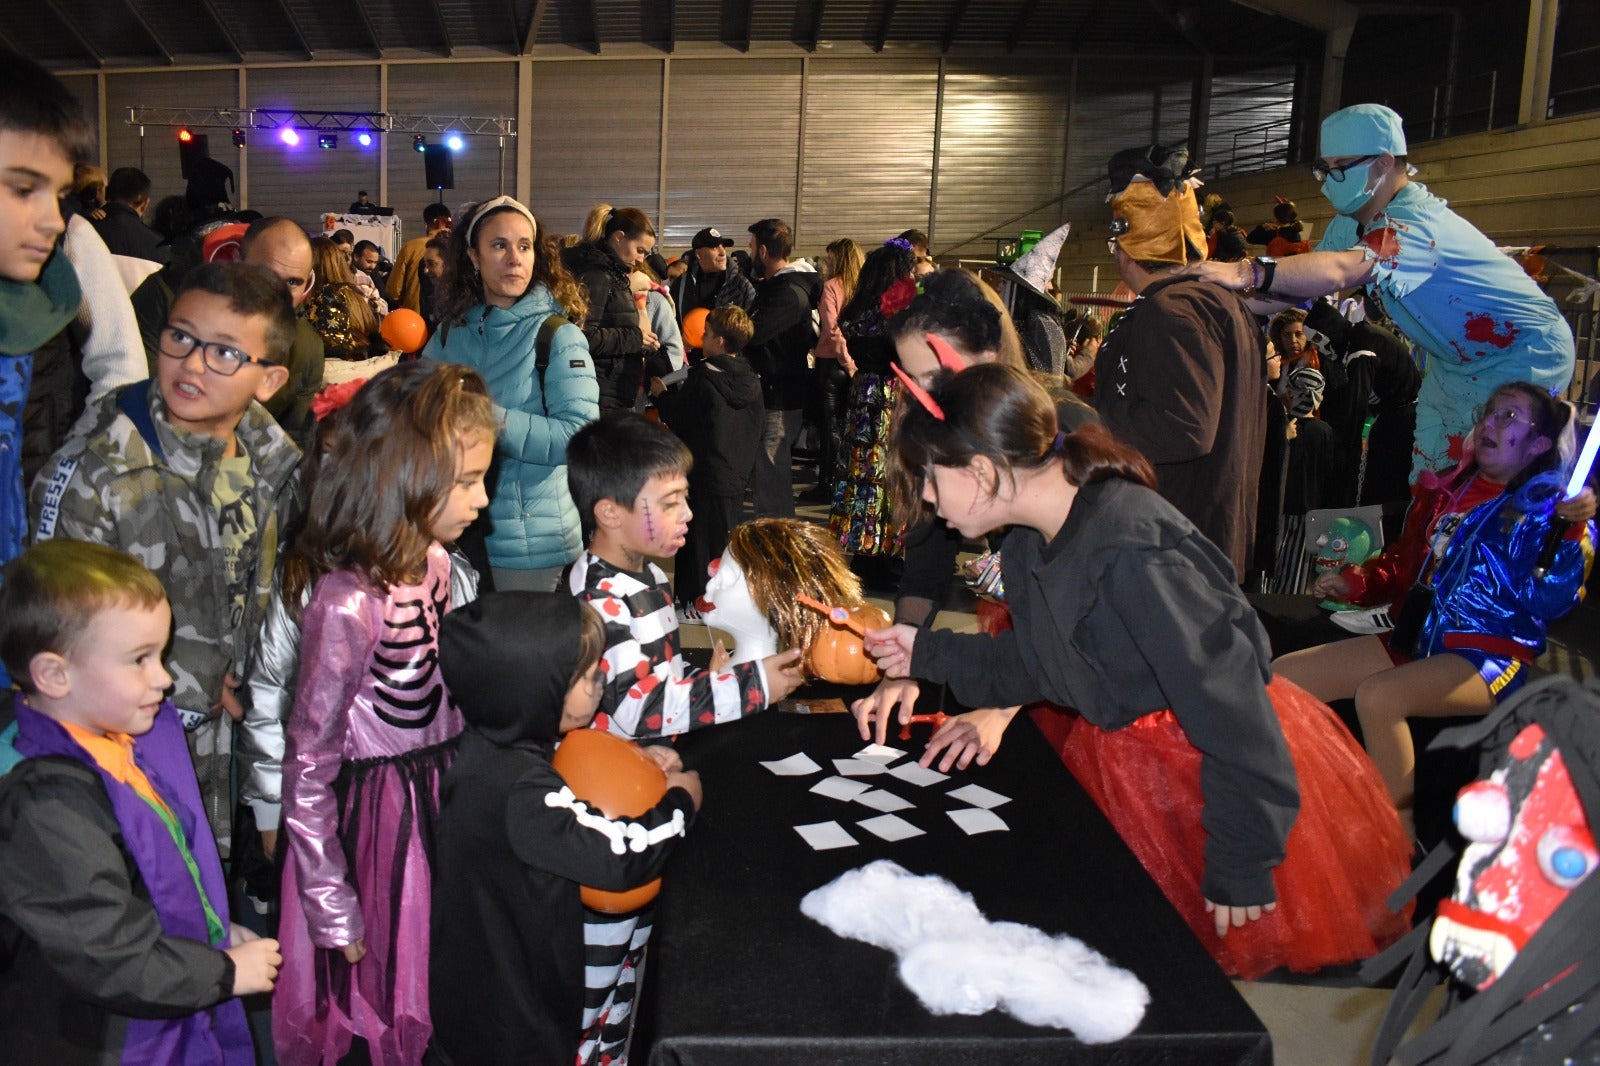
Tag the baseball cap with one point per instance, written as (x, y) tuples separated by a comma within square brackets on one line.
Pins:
[(710, 238), (1364, 129)]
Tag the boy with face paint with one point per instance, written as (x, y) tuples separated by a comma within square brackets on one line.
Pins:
[(629, 477), (1477, 314)]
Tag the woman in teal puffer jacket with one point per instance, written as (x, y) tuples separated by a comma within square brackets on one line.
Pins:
[(501, 283)]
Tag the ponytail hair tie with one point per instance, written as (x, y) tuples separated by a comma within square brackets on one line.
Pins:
[(1061, 439)]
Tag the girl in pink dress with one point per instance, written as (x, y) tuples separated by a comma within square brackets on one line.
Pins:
[(373, 729)]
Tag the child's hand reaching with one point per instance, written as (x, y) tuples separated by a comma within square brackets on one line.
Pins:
[(720, 657), (664, 756), (354, 953), (783, 674), (255, 965), (689, 781)]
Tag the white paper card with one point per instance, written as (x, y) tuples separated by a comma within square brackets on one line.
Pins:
[(825, 835), (974, 820), (978, 796), (879, 753), (890, 827), (840, 788), (912, 774), (879, 800), (796, 765), (858, 767)]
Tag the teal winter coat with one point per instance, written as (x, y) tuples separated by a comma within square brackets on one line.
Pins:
[(535, 520)]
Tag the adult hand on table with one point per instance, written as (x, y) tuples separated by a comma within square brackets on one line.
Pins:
[(874, 710), (1226, 916), (964, 737)]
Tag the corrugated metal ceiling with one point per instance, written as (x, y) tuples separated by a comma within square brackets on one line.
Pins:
[(111, 34)]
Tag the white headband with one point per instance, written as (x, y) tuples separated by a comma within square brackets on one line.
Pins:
[(492, 205)]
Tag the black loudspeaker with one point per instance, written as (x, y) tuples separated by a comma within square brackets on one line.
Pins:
[(439, 164), (192, 151)]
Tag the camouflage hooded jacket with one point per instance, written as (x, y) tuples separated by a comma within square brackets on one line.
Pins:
[(139, 484)]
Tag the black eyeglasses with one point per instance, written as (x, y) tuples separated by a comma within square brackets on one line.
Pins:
[(1322, 170), (219, 358)]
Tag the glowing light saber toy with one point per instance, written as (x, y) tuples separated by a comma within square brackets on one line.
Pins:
[(1585, 463), (1575, 484)]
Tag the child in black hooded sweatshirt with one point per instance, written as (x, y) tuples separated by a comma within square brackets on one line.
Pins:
[(507, 963)]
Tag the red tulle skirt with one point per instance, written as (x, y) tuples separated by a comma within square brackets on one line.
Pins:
[(1346, 852)]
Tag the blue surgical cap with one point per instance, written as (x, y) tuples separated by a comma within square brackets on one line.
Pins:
[(1365, 129)]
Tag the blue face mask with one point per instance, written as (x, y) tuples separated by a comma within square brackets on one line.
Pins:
[(1348, 194)]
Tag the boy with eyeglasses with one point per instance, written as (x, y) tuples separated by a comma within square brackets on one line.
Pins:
[(191, 475)]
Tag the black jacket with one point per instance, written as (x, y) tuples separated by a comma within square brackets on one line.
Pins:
[(616, 343), (786, 331), (719, 414), (1130, 610), (735, 290), (126, 234), (506, 970)]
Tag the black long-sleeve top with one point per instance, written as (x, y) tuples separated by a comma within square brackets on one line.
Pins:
[(1129, 610)]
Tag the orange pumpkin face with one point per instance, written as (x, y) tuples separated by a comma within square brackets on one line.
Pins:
[(613, 776), (837, 654)]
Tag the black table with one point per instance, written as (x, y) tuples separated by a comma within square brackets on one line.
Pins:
[(737, 975)]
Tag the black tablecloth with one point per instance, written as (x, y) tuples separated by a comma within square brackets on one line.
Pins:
[(736, 974)]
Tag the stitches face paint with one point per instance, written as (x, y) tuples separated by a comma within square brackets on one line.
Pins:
[(658, 523)]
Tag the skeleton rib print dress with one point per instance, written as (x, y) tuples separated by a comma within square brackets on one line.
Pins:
[(373, 731)]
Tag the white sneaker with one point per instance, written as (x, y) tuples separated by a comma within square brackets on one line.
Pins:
[(688, 614), (1372, 620)]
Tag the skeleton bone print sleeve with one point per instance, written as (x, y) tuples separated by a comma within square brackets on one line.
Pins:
[(650, 690)]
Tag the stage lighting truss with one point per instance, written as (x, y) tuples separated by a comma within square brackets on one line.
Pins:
[(310, 121)]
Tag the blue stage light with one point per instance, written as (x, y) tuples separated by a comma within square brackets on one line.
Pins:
[(289, 135), (364, 139), (454, 142)]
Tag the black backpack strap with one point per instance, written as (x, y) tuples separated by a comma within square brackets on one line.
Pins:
[(541, 350)]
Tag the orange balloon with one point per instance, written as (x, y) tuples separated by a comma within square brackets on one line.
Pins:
[(694, 327), (616, 778), (404, 330)]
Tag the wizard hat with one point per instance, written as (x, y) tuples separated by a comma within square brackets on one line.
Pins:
[(1035, 267)]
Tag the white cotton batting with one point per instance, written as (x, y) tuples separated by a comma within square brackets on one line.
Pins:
[(923, 908), (958, 962)]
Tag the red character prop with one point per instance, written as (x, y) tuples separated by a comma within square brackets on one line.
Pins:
[(937, 719), (1530, 846)]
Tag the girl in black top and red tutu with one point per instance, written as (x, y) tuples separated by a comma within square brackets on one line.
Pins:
[(1246, 799)]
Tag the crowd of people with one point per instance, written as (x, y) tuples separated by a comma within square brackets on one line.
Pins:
[(268, 648)]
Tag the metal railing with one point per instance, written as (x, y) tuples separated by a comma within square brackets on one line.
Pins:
[(1259, 147)]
